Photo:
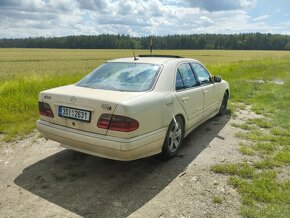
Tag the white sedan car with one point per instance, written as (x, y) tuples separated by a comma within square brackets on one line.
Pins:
[(132, 108)]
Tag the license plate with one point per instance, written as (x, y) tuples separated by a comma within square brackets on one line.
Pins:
[(74, 113)]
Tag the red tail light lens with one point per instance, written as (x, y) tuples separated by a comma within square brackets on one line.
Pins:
[(45, 109), (104, 121), (117, 123), (123, 124)]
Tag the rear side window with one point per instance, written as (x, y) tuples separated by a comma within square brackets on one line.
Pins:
[(184, 77), (179, 83), (202, 75)]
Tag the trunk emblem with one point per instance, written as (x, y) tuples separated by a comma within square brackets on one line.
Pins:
[(73, 99), (106, 107), (47, 97)]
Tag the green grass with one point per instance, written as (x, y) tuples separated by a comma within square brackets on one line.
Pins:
[(265, 147), (243, 170), (260, 122), (246, 149), (243, 126), (217, 199), (19, 105), (26, 72), (263, 194)]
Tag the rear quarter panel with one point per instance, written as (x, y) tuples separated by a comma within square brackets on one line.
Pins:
[(154, 110), (150, 110)]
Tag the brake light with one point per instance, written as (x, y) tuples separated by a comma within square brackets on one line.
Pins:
[(104, 121), (123, 124), (45, 109), (117, 123)]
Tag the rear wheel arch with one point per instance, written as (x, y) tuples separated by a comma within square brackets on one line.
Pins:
[(183, 119), (227, 91), (174, 137)]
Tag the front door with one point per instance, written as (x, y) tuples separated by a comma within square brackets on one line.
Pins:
[(210, 93)]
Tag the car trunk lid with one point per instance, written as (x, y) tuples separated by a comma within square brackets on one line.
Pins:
[(80, 99)]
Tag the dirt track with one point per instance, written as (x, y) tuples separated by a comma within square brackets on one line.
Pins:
[(41, 179)]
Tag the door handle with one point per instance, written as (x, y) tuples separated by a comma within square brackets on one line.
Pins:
[(205, 92), (185, 99)]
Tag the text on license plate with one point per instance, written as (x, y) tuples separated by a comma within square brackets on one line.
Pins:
[(74, 113)]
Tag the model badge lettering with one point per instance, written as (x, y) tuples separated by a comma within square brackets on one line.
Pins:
[(73, 99), (106, 107), (47, 97)]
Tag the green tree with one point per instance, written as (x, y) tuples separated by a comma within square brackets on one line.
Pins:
[(287, 47), (201, 42)]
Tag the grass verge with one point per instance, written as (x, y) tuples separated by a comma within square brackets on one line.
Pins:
[(26, 72), (263, 193)]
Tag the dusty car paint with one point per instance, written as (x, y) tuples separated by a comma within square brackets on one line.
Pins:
[(154, 110)]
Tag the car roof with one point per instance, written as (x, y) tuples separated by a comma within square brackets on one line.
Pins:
[(153, 60)]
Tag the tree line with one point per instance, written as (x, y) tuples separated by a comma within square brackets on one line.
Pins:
[(245, 41)]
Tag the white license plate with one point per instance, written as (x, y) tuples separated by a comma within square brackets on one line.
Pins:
[(73, 113)]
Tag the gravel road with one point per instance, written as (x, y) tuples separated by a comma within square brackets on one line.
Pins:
[(41, 179)]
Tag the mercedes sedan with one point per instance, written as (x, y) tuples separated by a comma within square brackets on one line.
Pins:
[(131, 108)]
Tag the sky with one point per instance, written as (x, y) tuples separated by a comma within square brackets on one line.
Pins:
[(33, 18)]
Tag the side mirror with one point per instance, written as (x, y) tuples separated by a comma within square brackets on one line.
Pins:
[(217, 79)]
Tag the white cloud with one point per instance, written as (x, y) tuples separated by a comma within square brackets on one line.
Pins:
[(93, 5), (261, 17), (206, 20), (134, 17), (248, 3), (222, 5)]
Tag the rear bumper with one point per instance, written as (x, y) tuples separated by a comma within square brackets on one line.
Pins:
[(102, 145)]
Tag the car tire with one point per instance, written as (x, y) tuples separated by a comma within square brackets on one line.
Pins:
[(223, 108), (174, 138)]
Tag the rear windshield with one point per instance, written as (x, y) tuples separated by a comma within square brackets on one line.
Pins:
[(132, 77)]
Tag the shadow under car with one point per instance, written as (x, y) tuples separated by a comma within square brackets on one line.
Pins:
[(91, 186)]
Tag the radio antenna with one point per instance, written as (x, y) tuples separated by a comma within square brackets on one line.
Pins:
[(135, 58), (151, 45)]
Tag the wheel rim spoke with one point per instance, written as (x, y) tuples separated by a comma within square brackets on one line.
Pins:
[(175, 145), (171, 145), (178, 133), (174, 137)]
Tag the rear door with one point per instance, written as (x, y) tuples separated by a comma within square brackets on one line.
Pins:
[(209, 89), (189, 93)]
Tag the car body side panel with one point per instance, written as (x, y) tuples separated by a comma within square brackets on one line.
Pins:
[(154, 110), (211, 99), (220, 90), (192, 102), (150, 110)]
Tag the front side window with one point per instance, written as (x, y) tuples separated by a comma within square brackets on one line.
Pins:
[(132, 77), (184, 77), (202, 74)]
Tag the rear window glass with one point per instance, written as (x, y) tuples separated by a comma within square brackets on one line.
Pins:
[(134, 77)]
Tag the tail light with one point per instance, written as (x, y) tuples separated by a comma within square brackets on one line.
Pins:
[(123, 124), (45, 109), (117, 123), (104, 121)]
